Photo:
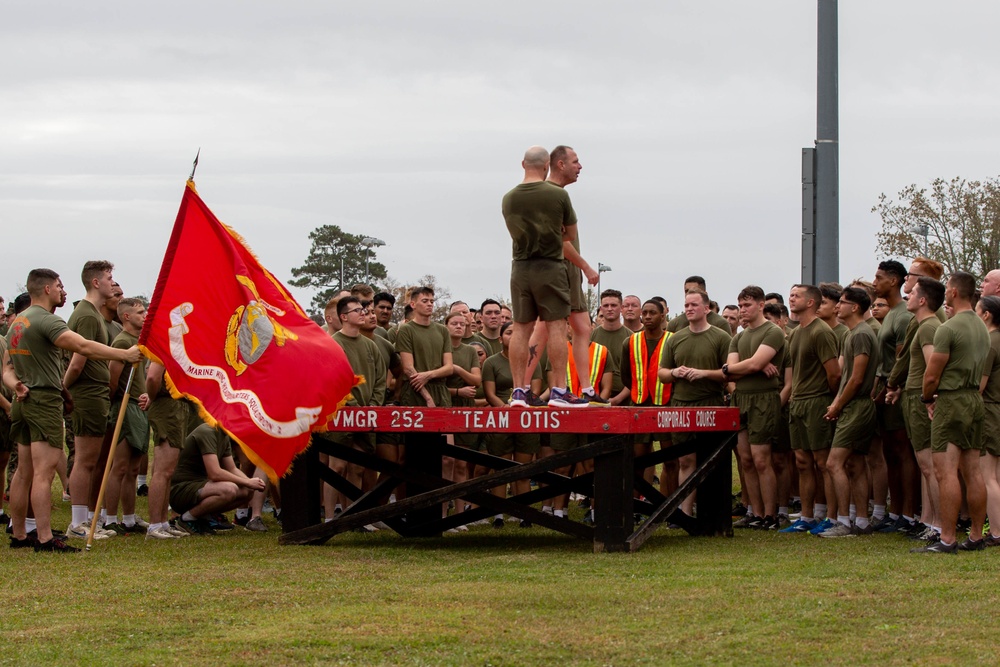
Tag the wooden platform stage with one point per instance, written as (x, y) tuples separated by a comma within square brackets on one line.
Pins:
[(617, 473)]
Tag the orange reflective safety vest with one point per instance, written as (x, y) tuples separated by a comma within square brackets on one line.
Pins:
[(598, 359), (645, 379)]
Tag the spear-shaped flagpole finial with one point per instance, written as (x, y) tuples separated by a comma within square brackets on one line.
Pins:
[(194, 166)]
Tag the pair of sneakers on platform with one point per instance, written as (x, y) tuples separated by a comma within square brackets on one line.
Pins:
[(558, 398)]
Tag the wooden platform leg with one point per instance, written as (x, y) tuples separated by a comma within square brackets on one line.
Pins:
[(300, 492), (423, 454), (716, 492), (613, 488)]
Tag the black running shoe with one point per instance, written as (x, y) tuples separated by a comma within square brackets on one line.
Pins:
[(26, 543), (57, 545), (970, 544), (498, 523), (938, 547)]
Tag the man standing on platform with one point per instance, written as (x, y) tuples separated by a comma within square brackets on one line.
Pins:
[(539, 217)]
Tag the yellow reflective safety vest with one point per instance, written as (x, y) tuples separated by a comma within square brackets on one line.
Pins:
[(645, 379), (598, 360)]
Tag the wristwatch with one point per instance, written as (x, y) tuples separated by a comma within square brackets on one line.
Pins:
[(925, 401), (725, 370)]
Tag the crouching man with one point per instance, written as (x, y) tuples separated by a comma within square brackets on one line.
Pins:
[(207, 480)]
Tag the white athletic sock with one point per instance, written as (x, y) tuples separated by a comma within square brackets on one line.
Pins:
[(128, 520), (853, 512), (909, 519), (338, 508), (894, 517), (820, 511), (328, 520), (140, 481), (104, 518), (187, 516), (243, 512), (750, 509), (90, 516), (559, 513), (783, 510), (499, 516), (806, 518), (862, 522), (878, 512), (589, 391), (30, 525), (161, 525), (1, 511), (846, 520), (79, 513)]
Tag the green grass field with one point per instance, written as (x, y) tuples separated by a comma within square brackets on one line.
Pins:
[(489, 597)]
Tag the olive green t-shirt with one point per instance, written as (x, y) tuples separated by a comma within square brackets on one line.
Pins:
[(859, 342), (747, 342), (427, 343), (90, 324), (124, 341), (493, 345), (199, 442), (992, 368), (965, 338), (367, 361), (536, 214), (809, 348), (891, 335), (840, 331), (923, 335), (465, 357), (707, 350), (31, 344), (496, 369), (113, 329), (613, 340)]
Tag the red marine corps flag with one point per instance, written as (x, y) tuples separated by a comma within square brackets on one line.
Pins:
[(234, 341)]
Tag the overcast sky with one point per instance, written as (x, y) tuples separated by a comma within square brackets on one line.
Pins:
[(408, 120)]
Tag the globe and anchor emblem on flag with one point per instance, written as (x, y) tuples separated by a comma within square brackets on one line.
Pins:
[(252, 329)]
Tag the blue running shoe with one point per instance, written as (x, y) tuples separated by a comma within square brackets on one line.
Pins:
[(825, 524), (518, 398), (800, 526)]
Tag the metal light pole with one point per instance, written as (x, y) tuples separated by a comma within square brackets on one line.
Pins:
[(601, 268), (369, 242), (921, 230)]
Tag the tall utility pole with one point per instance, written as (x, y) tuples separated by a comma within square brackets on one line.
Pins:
[(821, 165)]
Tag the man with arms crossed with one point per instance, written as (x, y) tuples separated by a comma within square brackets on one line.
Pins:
[(539, 218), (951, 393), (33, 344)]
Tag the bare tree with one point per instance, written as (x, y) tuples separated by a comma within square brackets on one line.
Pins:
[(956, 222)]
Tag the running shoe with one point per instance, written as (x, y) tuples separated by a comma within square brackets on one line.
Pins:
[(55, 545), (938, 547), (562, 398), (498, 523), (992, 541), (26, 543), (256, 525), (160, 534), (970, 544), (746, 522), (825, 524), (595, 399), (219, 522), (172, 528), (800, 526), (116, 528), (837, 530), (196, 527), (518, 398), (80, 532)]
